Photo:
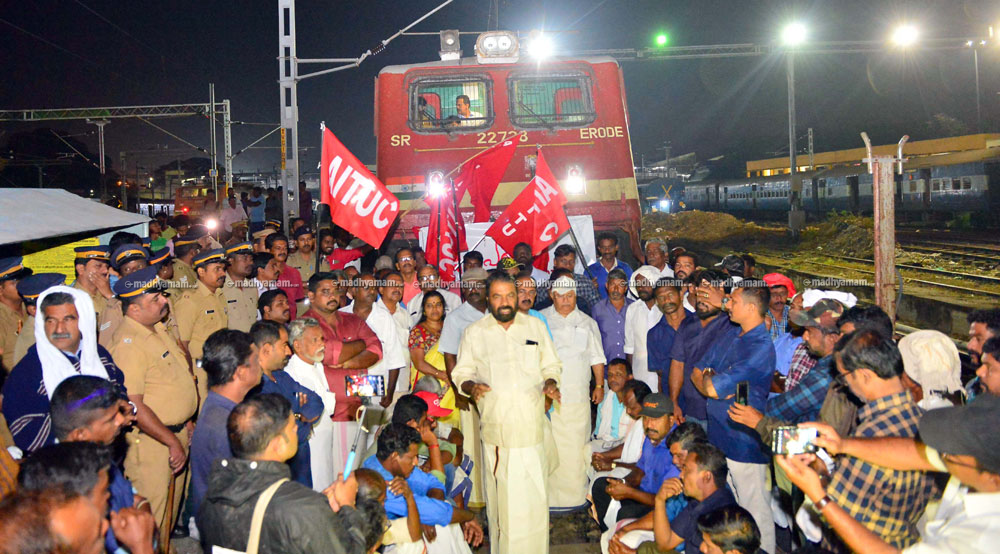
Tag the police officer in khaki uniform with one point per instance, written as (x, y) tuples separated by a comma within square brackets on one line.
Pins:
[(126, 259), (239, 289), (91, 266), (185, 249), (304, 257), (12, 313), (160, 383), (201, 311)]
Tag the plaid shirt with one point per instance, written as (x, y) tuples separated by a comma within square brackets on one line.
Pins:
[(887, 502), (803, 402), (799, 367), (779, 326)]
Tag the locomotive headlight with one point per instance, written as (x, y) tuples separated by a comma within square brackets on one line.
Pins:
[(497, 47), (576, 183), (435, 184)]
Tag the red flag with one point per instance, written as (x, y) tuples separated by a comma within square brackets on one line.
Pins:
[(482, 175), (358, 201), (445, 237), (536, 216)]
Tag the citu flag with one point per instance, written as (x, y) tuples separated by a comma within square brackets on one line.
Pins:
[(536, 216), (445, 236), (481, 175), (358, 201)]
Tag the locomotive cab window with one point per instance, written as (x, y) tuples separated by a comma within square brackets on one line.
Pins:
[(449, 105), (550, 101)]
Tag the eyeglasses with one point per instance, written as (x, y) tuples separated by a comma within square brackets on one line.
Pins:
[(841, 379), (404, 259)]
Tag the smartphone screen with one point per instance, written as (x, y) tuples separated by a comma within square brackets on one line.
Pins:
[(743, 392), (794, 440), (365, 385)]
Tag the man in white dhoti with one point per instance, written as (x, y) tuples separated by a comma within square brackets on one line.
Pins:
[(640, 317), (507, 364), (306, 367), (578, 345)]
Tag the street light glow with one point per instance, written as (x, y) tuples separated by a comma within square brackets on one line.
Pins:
[(662, 39), (794, 34), (905, 35)]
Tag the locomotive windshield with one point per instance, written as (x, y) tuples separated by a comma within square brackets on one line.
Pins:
[(549, 101), (448, 105)]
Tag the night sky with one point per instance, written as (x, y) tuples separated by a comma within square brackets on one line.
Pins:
[(69, 53)]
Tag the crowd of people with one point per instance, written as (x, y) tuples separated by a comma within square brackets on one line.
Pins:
[(298, 392)]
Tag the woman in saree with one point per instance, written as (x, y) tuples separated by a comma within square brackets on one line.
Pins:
[(424, 354)]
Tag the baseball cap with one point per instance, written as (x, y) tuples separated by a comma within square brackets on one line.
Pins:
[(657, 405), (507, 262), (434, 408), (823, 314), (966, 431), (732, 264)]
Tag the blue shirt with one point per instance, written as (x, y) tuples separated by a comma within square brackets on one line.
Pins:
[(657, 465), (660, 340), (685, 525), (749, 357), (256, 213), (209, 442), (432, 511), (784, 349), (288, 387), (611, 322), (539, 315), (803, 402), (601, 274), (122, 496), (690, 348)]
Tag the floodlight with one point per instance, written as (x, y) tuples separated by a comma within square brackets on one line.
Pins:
[(540, 46), (905, 35), (794, 34), (576, 183), (435, 184)]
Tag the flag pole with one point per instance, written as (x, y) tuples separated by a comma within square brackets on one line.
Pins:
[(458, 238), (319, 212)]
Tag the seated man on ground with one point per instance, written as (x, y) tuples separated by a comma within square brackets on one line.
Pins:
[(620, 460), (635, 494), (613, 422), (729, 530), (703, 482), (446, 528)]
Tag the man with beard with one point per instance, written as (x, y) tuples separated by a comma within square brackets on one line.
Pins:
[(161, 385), (380, 321), (676, 321), (202, 311), (607, 261), (306, 367), (304, 258), (233, 368), (273, 352), (273, 306), (507, 364), (455, 324), (685, 264), (803, 402), (983, 326), (406, 265), (578, 345), (782, 289), (640, 317), (636, 492), (289, 279), (337, 252), (351, 347), (715, 330), (522, 255), (431, 280), (240, 294)]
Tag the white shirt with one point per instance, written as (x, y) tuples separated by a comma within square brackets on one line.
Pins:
[(578, 345), (232, 215), (639, 319), (403, 323), (454, 326), (539, 275), (965, 522), (667, 272), (451, 302), (382, 324), (312, 377)]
